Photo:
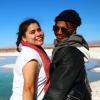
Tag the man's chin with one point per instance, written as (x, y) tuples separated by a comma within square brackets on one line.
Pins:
[(59, 39)]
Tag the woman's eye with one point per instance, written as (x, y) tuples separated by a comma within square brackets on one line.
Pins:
[(32, 32)]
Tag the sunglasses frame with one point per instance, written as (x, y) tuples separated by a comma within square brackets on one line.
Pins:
[(63, 30), (57, 28)]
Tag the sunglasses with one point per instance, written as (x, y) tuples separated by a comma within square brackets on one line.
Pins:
[(33, 31), (63, 30), (57, 28)]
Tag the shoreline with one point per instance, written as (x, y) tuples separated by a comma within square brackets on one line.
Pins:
[(95, 69), (7, 66)]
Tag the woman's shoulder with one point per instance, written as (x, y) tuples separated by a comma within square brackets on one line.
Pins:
[(28, 53), (27, 49)]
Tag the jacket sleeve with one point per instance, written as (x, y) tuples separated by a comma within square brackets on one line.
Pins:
[(66, 65)]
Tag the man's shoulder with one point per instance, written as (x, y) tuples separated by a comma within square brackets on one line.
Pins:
[(64, 51), (69, 50)]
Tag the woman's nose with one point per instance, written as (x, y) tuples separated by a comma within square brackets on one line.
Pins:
[(39, 33)]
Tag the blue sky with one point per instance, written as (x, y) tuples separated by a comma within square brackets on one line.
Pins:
[(13, 12)]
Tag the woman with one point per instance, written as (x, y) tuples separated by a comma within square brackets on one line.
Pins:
[(32, 66)]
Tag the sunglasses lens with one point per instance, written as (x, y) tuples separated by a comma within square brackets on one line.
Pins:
[(55, 28), (64, 30)]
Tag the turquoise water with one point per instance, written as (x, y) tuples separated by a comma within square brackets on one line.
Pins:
[(6, 76), (93, 76)]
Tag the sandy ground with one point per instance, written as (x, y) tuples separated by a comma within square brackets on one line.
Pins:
[(94, 53), (9, 54), (95, 90)]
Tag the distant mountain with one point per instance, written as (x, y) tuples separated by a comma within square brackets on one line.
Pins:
[(50, 46), (7, 50), (95, 43), (90, 43)]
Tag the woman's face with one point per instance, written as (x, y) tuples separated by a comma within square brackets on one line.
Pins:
[(34, 34)]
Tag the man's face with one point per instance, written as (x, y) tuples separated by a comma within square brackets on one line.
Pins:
[(62, 30)]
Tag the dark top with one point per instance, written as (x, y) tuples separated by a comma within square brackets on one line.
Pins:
[(67, 71)]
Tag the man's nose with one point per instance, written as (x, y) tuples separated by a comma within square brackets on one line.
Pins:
[(59, 31)]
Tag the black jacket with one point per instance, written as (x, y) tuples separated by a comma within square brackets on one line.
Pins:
[(67, 72)]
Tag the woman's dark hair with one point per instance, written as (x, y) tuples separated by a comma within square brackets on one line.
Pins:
[(69, 16), (22, 30)]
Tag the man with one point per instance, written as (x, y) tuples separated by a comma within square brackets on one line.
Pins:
[(67, 72)]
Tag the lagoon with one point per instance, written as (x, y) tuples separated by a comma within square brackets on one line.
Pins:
[(6, 75)]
